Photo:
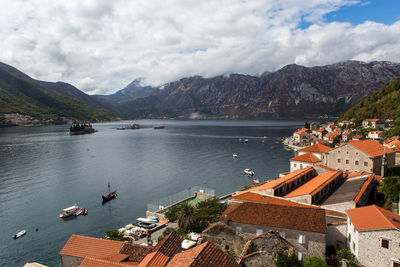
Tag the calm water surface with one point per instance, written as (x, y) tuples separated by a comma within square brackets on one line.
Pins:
[(43, 169)]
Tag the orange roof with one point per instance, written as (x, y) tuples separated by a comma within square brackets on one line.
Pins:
[(371, 120), (353, 174), (206, 254), (84, 246), (326, 168), (313, 186), (288, 217), (164, 250), (316, 148), (375, 132), (320, 130), (93, 262), (308, 157), (395, 143), (373, 218), (370, 147), (332, 134), (363, 188), (255, 197), (282, 180), (302, 131)]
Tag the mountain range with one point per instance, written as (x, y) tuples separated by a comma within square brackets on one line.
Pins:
[(291, 92)]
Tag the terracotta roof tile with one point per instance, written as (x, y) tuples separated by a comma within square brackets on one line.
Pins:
[(358, 136), (302, 131), (371, 120), (282, 180), (287, 217), (163, 251), (313, 186), (395, 143), (84, 246), (364, 187), (136, 252), (307, 157), (255, 197), (206, 254), (93, 262), (371, 147), (373, 218)]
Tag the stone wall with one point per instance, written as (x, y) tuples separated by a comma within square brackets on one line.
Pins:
[(336, 236), (70, 261), (315, 243)]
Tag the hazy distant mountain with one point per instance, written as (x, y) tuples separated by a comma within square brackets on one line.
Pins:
[(293, 91), (45, 100)]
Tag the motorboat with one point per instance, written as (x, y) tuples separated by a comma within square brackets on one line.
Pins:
[(246, 140), (146, 225), (147, 220), (248, 172), (256, 181), (79, 212), (70, 211), (19, 234), (234, 155), (121, 128)]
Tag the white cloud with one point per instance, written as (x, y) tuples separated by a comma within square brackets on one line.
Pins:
[(101, 46)]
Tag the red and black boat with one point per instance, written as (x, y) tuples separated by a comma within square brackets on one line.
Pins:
[(110, 194)]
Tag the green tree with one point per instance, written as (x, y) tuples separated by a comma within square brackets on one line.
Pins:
[(283, 260), (391, 189), (185, 216), (115, 235), (346, 254), (314, 261)]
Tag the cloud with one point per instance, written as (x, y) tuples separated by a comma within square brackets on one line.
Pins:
[(100, 46)]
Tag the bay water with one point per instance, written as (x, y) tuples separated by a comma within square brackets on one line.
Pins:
[(44, 169)]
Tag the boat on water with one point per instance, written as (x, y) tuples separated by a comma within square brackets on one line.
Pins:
[(256, 181), (81, 128), (19, 234), (85, 212), (121, 128), (158, 127), (134, 126), (147, 220), (248, 171), (70, 211), (246, 140), (234, 155), (110, 194)]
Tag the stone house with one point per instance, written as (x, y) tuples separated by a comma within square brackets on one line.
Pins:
[(319, 133), (303, 161), (318, 150), (373, 235), (302, 137), (376, 135), (373, 123), (347, 136), (303, 227), (358, 137), (357, 156), (331, 136)]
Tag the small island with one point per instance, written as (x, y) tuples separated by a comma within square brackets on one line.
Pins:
[(81, 128)]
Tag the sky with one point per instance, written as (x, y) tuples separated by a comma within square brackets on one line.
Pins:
[(100, 46)]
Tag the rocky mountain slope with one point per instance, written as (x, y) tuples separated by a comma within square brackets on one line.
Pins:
[(293, 91)]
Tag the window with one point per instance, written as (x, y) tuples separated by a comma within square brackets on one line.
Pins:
[(282, 234), (301, 166), (302, 239), (347, 161), (354, 246), (259, 231), (396, 264), (365, 163), (338, 161), (339, 152), (295, 165), (349, 239), (384, 243), (347, 152), (356, 162), (238, 229)]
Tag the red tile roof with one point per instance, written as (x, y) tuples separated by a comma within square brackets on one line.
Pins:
[(206, 254), (255, 197), (302, 131), (287, 217), (371, 147), (282, 180), (84, 246), (93, 262), (373, 218), (315, 185), (307, 157), (371, 120), (136, 252), (316, 148), (364, 187), (163, 251), (332, 135)]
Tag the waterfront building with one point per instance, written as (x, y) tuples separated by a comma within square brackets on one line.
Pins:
[(303, 161), (376, 135), (331, 136), (304, 227), (302, 137), (373, 235), (373, 123), (319, 133), (356, 156)]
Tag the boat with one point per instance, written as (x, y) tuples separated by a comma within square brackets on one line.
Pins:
[(234, 155), (110, 194), (146, 225), (158, 127), (256, 181), (70, 211), (78, 212), (81, 128), (248, 172), (134, 126), (246, 140), (19, 234), (121, 128), (147, 220), (85, 212), (153, 219)]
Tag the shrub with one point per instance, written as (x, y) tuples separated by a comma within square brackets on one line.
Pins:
[(314, 261), (115, 235), (283, 260), (346, 254)]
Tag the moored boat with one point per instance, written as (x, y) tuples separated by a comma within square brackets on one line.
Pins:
[(158, 127), (81, 128), (110, 194), (70, 211), (19, 234), (248, 171), (234, 155)]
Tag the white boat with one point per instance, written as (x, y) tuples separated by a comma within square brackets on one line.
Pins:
[(19, 234), (234, 155), (70, 211), (246, 140), (248, 172), (78, 212), (146, 220)]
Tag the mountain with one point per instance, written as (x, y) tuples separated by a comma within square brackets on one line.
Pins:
[(293, 91), (44, 100), (382, 104)]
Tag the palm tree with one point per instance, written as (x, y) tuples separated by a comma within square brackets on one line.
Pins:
[(185, 216)]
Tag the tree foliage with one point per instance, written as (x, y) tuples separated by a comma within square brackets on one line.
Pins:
[(314, 261), (391, 189), (284, 260), (346, 254), (115, 235)]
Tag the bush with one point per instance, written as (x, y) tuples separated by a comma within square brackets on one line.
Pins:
[(172, 213), (283, 260), (115, 235), (393, 170), (314, 261), (390, 188), (346, 254)]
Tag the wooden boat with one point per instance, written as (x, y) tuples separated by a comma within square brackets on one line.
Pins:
[(110, 194)]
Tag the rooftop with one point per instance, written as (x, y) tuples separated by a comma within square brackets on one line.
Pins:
[(370, 147), (287, 217), (316, 148), (373, 218), (307, 157), (255, 197), (302, 131), (282, 180), (205, 254), (371, 120)]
